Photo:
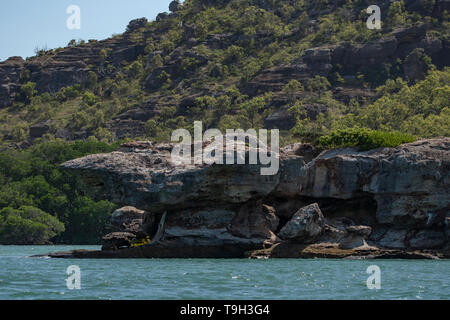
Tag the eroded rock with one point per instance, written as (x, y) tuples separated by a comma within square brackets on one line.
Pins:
[(254, 221), (306, 224), (400, 193), (131, 220), (356, 237), (117, 240)]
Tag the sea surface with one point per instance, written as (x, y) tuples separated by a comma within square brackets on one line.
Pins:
[(22, 277)]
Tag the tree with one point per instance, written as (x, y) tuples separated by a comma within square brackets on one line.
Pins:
[(156, 61), (29, 90), (396, 14), (134, 70), (28, 225), (292, 88), (318, 83)]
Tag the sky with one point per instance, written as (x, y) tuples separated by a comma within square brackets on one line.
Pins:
[(27, 24)]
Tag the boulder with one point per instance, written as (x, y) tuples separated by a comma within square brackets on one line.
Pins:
[(117, 240), (39, 129), (174, 6), (305, 225), (136, 24), (131, 220), (356, 237), (162, 16), (126, 215), (331, 234), (254, 221)]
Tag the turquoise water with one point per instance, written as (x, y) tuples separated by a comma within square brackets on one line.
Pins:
[(32, 278)]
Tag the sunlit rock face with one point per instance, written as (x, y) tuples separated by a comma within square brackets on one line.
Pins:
[(388, 198)]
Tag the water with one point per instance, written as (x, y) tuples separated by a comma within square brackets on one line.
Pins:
[(31, 278)]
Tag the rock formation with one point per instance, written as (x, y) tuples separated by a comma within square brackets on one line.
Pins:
[(67, 66), (388, 202)]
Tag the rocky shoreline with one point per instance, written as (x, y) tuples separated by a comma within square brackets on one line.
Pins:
[(383, 203)]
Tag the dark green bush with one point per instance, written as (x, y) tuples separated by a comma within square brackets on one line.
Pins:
[(28, 225), (32, 178), (364, 139)]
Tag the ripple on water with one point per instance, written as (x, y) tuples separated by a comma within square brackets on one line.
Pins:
[(30, 278)]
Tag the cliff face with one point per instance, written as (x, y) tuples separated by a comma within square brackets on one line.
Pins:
[(338, 203), (66, 67)]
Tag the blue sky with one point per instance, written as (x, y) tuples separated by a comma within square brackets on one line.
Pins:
[(27, 24)]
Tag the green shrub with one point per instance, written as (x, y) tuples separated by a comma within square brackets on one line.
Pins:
[(89, 98), (28, 225), (364, 139), (33, 178), (29, 90)]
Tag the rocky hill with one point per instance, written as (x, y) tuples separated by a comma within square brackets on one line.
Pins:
[(312, 69), (232, 63)]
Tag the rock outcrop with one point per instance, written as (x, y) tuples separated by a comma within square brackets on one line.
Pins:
[(117, 240), (408, 44), (338, 203), (132, 220), (11, 72), (68, 66), (305, 225)]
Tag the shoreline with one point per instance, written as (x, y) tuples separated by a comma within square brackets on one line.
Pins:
[(278, 251)]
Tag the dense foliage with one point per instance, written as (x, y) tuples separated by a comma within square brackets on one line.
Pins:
[(364, 139), (27, 225), (421, 109), (40, 201)]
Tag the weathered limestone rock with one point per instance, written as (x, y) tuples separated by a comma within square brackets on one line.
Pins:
[(403, 194), (117, 240), (356, 237), (405, 180), (254, 221), (131, 220), (142, 175), (306, 224)]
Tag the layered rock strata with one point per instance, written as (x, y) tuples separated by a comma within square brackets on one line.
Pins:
[(388, 202)]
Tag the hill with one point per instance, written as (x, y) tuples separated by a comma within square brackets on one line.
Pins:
[(309, 68), (305, 66)]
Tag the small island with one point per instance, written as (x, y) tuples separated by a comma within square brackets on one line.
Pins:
[(338, 203)]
